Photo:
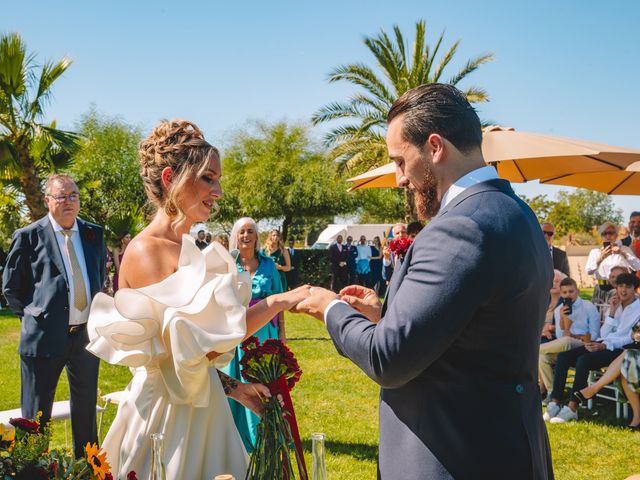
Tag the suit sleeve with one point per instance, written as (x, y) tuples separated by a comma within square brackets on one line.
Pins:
[(16, 278), (565, 265), (444, 285)]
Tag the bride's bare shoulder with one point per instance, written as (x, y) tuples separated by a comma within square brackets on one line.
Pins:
[(149, 259)]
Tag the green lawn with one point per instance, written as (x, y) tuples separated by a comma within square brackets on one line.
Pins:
[(335, 398)]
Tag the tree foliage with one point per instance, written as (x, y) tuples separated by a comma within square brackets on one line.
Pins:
[(30, 150), (274, 171), (106, 170), (576, 211)]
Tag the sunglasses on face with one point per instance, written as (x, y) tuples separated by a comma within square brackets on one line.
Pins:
[(608, 232), (548, 234)]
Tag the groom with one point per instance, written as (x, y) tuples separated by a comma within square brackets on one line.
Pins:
[(455, 344)]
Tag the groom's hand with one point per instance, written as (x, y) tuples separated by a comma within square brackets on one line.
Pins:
[(365, 300), (317, 301)]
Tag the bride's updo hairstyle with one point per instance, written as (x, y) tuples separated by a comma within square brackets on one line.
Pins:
[(178, 144)]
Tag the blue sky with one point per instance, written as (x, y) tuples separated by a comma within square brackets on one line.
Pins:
[(566, 68)]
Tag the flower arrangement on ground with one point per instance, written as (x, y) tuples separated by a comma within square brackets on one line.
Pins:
[(275, 366), (25, 454)]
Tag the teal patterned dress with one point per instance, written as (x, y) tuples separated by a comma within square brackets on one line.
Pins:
[(265, 282)]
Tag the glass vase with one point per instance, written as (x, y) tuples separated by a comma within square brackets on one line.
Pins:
[(157, 457), (318, 469)]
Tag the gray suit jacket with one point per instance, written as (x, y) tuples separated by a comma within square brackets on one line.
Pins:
[(456, 351), (35, 284)]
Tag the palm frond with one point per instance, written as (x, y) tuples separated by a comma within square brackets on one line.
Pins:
[(339, 110), (417, 63), (50, 73), (444, 61), (363, 76), (476, 95), (14, 65), (471, 66), (401, 50)]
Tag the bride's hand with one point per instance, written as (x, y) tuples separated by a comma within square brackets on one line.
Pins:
[(291, 298), (252, 396)]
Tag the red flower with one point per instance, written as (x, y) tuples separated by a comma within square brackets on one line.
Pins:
[(89, 235), (108, 476), (53, 468), (400, 246), (28, 426), (250, 343), (132, 475)]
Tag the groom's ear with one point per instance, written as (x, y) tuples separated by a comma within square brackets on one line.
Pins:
[(166, 177)]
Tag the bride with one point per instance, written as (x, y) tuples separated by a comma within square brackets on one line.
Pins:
[(178, 316)]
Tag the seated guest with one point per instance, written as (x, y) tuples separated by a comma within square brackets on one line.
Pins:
[(602, 260), (624, 312), (577, 322), (549, 328), (627, 368), (615, 271)]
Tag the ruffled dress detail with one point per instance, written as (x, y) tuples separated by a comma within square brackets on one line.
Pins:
[(163, 333)]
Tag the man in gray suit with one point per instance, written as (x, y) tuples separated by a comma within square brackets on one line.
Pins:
[(455, 344), (54, 268)]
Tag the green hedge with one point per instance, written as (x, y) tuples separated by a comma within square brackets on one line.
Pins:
[(314, 268)]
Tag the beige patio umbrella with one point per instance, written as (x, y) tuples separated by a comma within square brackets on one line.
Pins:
[(626, 182), (384, 176), (522, 156)]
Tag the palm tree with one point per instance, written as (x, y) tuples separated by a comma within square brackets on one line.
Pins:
[(359, 144), (29, 149)]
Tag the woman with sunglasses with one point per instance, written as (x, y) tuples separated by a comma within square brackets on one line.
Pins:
[(602, 259)]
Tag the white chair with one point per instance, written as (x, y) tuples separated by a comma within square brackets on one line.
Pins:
[(109, 398), (61, 411), (609, 392)]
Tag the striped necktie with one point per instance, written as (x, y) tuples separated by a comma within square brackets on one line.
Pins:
[(79, 292)]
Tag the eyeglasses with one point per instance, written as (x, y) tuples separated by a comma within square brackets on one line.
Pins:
[(548, 234), (609, 232), (72, 197)]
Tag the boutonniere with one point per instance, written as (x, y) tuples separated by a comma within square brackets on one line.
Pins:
[(89, 235)]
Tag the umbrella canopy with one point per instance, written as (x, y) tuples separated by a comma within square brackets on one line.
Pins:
[(626, 182), (384, 176), (522, 156)]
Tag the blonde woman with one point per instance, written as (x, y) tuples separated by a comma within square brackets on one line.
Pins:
[(274, 248), (179, 314)]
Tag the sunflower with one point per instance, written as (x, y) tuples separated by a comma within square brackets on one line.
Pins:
[(98, 460)]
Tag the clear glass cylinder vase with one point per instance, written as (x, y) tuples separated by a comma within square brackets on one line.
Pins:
[(318, 468), (157, 457)]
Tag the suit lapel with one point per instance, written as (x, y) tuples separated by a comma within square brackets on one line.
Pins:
[(48, 237), (88, 249)]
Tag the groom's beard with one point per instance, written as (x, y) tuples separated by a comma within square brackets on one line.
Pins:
[(426, 198)]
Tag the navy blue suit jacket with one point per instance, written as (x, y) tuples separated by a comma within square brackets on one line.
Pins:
[(456, 350), (35, 284)]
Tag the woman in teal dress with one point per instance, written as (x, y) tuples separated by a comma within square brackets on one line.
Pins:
[(265, 281), (274, 248)]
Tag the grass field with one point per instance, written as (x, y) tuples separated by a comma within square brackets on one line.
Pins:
[(335, 398)]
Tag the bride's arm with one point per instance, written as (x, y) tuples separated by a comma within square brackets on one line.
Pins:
[(251, 395), (259, 314)]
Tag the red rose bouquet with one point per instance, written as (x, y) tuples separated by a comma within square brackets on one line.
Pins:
[(275, 366), (400, 246)]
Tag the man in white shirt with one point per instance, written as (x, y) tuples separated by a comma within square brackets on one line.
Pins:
[(624, 312), (602, 260), (577, 322), (54, 268)]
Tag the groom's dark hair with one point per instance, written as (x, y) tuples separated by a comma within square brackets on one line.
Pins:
[(438, 108)]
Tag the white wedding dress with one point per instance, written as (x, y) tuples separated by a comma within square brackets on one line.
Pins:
[(163, 332)]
